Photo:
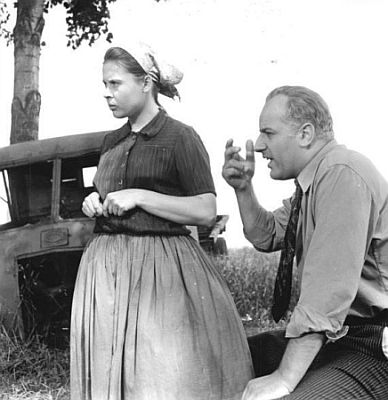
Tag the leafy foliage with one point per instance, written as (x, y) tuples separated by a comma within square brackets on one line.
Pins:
[(87, 20), (4, 19)]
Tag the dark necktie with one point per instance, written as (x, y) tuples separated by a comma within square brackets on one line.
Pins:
[(283, 283)]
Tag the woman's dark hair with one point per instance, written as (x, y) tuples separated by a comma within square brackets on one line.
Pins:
[(128, 62)]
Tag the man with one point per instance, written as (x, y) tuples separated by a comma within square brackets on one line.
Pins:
[(335, 345)]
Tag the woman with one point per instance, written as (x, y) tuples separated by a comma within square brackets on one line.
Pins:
[(152, 318)]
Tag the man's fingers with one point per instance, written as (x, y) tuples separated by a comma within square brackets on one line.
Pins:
[(229, 143), (236, 172), (235, 163), (250, 151), (231, 151)]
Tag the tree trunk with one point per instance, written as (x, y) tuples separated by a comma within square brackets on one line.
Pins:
[(27, 41)]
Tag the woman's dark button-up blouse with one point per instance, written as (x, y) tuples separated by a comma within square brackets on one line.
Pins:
[(166, 156)]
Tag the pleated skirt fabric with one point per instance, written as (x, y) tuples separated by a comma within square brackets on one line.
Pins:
[(153, 319)]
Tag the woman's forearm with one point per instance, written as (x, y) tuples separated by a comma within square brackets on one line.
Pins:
[(191, 210)]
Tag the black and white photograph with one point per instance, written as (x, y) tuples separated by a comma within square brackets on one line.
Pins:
[(193, 200)]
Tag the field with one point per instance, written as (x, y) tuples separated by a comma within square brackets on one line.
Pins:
[(34, 371)]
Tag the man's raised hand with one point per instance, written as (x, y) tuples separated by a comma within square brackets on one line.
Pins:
[(236, 170)]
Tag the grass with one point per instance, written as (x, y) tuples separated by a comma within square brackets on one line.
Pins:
[(33, 371), (250, 276)]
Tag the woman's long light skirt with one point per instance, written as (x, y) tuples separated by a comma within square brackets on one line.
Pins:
[(152, 319)]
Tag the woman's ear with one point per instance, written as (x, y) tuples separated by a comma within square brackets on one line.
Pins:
[(147, 84), (306, 134)]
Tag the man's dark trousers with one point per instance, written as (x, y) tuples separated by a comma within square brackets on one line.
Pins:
[(353, 367)]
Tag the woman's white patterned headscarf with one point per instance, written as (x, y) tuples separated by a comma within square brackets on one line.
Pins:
[(165, 75)]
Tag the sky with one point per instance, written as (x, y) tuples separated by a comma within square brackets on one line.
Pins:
[(232, 53)]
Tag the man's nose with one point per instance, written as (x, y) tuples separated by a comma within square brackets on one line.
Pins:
[(260, 144)]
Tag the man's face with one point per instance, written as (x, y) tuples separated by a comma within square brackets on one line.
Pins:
[(278, 140)]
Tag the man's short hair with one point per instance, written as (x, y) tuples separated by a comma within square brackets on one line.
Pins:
[(305, 105)]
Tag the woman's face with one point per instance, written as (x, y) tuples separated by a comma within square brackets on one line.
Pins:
[(123, 91)]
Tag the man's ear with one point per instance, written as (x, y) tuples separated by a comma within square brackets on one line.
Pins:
[(306, 135)]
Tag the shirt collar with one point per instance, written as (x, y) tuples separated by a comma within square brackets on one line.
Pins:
[(148, 131), (154, 126), (306, 176)]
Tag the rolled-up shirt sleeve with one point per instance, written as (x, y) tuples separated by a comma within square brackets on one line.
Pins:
[(336, 252), (268, 230)]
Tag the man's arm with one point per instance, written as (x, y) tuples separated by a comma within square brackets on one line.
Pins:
[(344, 217), (249, 207), (238, 173), (260, 226), (300, 353), (330, 279)]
